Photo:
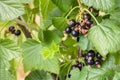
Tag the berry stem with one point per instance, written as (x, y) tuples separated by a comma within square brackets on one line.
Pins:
[(71, 11), (80, 5), (92, 16)]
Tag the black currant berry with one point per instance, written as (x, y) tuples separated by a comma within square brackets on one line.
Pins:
[(98, 56), (69, 75), (91, 53), (90, 62), (75, 33), (17, 32), (72, 23), (68, 30), (12, 29), (80, 65), (89, 23), (86, 17), (98, 63)]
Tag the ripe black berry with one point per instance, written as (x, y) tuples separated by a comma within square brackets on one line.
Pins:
[(91, 53), (80, 65), (89, 23), (90, 62), (98, 56), (86, 17), (72, 23), (68, 30), (97, 63), (12, 29), (78, 38), (75, 33), (17, 32)]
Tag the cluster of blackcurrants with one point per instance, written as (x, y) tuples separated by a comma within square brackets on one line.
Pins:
[(77, 28), (90, 59), (93, 59), (14, 31)]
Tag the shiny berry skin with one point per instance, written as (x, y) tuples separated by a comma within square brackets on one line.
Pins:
[(89, 23), (80, 65), (17, 32), (86, 17), (11, 28), (90, 62), (68, 30), (98, 56), (97, 62), (91, 53), (75, 33), (72, 23)]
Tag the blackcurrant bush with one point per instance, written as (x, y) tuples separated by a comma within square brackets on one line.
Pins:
[(86, 16), (17, 32), (90, 62), (72, 23), (75, 33), (98, 56), (68, 30), (89, 23)]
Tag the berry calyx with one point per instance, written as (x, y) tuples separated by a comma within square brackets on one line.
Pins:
[(75, 33), (86, 16), (17, 32), (98, 63), (68, 30)]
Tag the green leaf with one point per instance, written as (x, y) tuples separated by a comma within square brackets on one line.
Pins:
[(116, 76), (60, 23), (8, 51), (76, 74), (26, 1), (50, 51), (84, 43), (105, 37), (10, 9), (64, 5), (115, 15), (104, 5), (4, 70), (38, 75), (52, 35), (32, 58)]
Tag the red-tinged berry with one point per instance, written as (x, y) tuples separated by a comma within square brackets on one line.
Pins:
[(75, 33), (68, 30), (17, 32), (84, 31)]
